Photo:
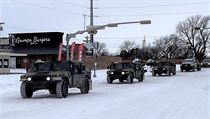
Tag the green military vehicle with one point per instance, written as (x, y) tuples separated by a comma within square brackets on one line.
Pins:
[(56, 77), (164, 66), (125, 71)]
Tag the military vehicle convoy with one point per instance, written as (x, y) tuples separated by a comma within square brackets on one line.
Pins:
[(56, 77), (190, 65), (125, 71), (163, 66)]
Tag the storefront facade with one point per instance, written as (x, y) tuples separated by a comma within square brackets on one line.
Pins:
[(42, 45)]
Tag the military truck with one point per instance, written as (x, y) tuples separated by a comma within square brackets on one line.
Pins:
[(164, 66), (125, 71), (190, 65), (56, 77)]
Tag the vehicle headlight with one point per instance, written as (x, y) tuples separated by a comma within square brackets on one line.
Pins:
[(48, 78), (123, 73), (29, 78), (208, 63), (112, 72), (164, 68)]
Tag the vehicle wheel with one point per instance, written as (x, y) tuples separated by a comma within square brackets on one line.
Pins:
[(153, 73), (181, 70), (62, 89), (130, 78), (86, 87), (52, 91), (159, 74), (109, 79), (25, 90), (168, 73), (198, 69), (193, 69), (121, 80), (142, 78), (174, 72)]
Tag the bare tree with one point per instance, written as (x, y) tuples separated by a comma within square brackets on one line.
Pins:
[(128, 46), (197, 40), (170, 46), (101, 49)]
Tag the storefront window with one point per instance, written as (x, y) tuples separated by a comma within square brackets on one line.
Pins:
[(6, 63), (1, 63)]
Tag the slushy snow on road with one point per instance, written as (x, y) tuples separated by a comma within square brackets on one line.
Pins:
[(184, 96)]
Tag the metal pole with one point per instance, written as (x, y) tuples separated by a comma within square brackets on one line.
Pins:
[(84, 21), (67, 46), (91, 22)]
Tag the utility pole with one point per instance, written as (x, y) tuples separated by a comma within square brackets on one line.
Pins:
[(91, 22), (84, 21)]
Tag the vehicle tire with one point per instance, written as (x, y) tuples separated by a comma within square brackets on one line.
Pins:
[(52, 91), (174, 72), (153, 73), (109, 79), (159, 74), (25, 90), (181, 70), (168, 73), (142, 78), (130, 78), (193, 69), (62, 89), (121, 80), (86, 87), (199, 69)]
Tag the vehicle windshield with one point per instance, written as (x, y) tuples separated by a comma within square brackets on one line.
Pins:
[(39, 67), (60, 66), (121, 66), (206, 60)]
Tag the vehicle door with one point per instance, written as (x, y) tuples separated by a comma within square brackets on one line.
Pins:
[(78, 75), (137, 70)]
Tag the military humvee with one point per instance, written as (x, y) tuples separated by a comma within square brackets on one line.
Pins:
[(163, 67), (56, 77), (190, 64), (125, 71)]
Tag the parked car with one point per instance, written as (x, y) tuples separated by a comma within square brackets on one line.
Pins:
[(190, 65), (205, 63)]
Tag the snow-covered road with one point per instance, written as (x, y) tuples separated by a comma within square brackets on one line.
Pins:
[(184, 96)]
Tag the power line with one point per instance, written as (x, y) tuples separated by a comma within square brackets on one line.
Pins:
[(73, 4), (158, 14), (50, 8), (149, 6), (137, 37)]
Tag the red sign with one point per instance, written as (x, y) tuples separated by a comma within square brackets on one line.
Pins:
[(81, 47), (60, 51), (72, 51)]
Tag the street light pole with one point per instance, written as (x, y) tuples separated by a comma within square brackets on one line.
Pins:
[(91, 22)]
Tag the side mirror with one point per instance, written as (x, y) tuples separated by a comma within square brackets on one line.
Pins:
[(108, 67)]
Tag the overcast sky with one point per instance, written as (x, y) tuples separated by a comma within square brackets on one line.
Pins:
[(67, 16)]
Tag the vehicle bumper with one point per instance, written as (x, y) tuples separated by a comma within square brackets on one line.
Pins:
[(187, 67)]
